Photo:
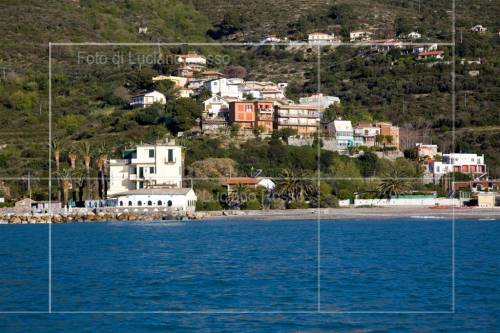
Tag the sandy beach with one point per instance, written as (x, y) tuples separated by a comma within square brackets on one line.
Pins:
[(362, 213)]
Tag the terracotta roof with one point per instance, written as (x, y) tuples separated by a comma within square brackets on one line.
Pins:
[(430, 53), (242, 180)]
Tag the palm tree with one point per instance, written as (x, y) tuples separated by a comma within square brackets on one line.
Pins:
[(101, 165), (393, 183), (65, 179), (293, 187), (72, 158), (80, 181), (86, 152), (236, 197), (56, 151)]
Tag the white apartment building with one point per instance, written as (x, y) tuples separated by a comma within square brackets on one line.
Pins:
[(148, 99), (157, 165), (344, 134), (463, 163), (225, 87), (320, 100)]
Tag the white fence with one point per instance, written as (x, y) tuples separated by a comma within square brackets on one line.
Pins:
[(428, 202)]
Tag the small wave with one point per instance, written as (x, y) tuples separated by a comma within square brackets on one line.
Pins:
[(426, 217)]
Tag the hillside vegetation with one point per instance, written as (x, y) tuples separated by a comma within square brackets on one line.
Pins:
[(90, 103)]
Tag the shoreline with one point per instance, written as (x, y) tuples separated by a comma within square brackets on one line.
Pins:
[(361, 213), (310, 214)]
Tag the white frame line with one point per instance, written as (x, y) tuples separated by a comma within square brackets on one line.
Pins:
[(318, 311)]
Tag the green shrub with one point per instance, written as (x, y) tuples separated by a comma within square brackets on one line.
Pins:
[(208, 205), (252, 205)]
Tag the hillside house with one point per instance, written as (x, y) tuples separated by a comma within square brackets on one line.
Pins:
[(304, 118), (438, 55), (148, 99), (360, 35), (365, 134), (478, 28), (320, 100), (318, 38), (343, 132), (472, 164), (414, 35), (242, 113), (390, 134)]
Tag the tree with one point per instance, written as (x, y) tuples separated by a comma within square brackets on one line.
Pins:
[(234, 71), (185, 114), (56, 151), (64, 175), (368, 164), (393, 183), (286, 133), (72, 158), (293, 187), (86, 153), (102, 165)]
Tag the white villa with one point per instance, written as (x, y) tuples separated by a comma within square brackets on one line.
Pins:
[(148, 99), (320, 100), (360, 35), (147, 166), (191, 59), (463, 163), (225, 87), (344, 134), (320, 38), (414, 35), (160, 199), (216, 107), (478, 28)]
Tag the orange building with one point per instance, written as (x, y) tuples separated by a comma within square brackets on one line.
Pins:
[(304, 118), (242, 113), (389, 130), (264, 115)]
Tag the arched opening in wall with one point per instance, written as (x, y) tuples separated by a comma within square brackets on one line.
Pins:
[(121, 203), (169, 203), (130, 203), (150, 203), (160, 203), (139, 203)]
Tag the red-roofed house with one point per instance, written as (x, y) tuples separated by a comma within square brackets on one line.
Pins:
[(430, 55), (249, 182)]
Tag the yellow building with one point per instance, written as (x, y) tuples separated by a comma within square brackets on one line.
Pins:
[(486, 199)]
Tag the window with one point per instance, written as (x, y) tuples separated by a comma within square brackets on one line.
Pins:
[(151, 170), (150, 203), (170, 155), (139, 203), (159, 203), (133, 171), (169, 203), (151, 153), (121, 203), (130, 203)]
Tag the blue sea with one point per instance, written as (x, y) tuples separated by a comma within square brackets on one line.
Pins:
[(391, 275)]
